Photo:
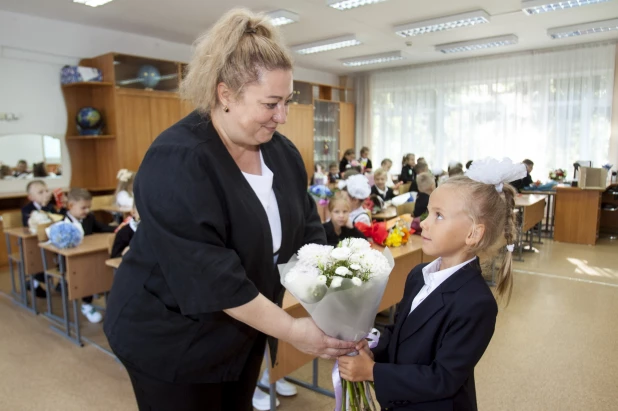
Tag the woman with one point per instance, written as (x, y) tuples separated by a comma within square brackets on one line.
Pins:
[(222, 199)]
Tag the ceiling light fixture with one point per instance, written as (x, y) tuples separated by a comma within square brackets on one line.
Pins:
[(350, 4), (372, 59), (443, 23), (478, 44), (582, 29), (543, 6), (282, 17), (92, 3), (326, 45)]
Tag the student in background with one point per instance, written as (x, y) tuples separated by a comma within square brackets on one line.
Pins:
[(346, 160), (318, 177), (124, 234), (365, 161), (39, 170), (379, 188), (21, 170), (526, 181), (426, 185), (339, 227), (443, 326), (333, 173), (419, 168), (407, 169), (40, 199), (78, 213), (359, 190), (124, 189)]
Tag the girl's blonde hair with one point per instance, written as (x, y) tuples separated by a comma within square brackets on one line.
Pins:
[(234, 51), (379, 172), (339, 198), (485, 205)]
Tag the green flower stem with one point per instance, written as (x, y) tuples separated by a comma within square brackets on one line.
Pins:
[(361, 389), (344, 392), (351, 396)]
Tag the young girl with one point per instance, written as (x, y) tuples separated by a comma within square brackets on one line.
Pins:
[(407, 168), (339, 227), (379, 188), (359, 190), (124, 190), (124, 234), (365, 161), (446, 319), (347, 160)]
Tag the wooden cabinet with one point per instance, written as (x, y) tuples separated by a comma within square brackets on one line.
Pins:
[(299, 129), (164, 112), (577, 215), (134, 129), (346, 127), (186, 108)]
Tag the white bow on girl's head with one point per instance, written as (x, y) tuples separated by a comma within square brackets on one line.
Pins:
[(124, 175), (358, 186), (491, 171)]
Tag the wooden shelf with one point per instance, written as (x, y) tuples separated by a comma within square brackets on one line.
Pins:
[(88, 84), (100, 137), (127, 91)]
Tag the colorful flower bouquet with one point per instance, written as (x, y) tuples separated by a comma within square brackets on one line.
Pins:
[(341, 288), (398, 235), (321, 193), (557, 174)]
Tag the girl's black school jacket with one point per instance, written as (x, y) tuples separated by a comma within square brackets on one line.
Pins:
[(204, 245)]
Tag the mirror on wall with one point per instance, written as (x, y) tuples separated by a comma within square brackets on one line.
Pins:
[(30, 156)]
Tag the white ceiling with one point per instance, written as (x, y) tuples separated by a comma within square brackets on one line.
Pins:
[(182, 20)]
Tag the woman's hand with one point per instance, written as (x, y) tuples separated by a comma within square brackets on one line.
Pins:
[(358, 368), (305, 336)]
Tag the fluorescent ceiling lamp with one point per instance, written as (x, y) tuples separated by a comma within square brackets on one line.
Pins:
[(581, 29), (479, 44), (543, 6), (350, 4), (282, 17), (92, 3), (443, 23), (372, 59), (326, 45)]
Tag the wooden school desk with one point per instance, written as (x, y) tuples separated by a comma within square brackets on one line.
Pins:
[(578, 215), (82, 272), (550, 213), (28, 259), (289, 359), (531, 209), (113, 263)]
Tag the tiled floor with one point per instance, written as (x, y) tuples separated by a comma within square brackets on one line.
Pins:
[(554, 347)]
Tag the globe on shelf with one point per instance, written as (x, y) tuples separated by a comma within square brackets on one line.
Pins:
[(89, 121), (149, 76)]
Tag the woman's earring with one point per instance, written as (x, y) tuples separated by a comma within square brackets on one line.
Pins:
[(226, 109)]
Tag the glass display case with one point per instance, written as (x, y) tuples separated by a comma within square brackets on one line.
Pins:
[(146, 74), (326, 138)]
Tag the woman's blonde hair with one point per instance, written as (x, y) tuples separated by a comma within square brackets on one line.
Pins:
[(339, 198), (234, 51), (485, 205), (379, 172)]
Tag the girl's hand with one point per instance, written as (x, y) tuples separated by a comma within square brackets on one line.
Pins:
[(363, 345), (358, 368)]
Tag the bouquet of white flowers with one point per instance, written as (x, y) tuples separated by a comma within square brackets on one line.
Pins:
[(341, 288)]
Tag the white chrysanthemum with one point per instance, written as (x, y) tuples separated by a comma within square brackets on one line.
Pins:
[(321, 280), (342, 271), (356, 244), (374, 262), (341, 253), (357, 281), (336, 282), (314, 254), (355, 267)]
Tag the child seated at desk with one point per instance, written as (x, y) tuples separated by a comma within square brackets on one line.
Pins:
[(124, 190), (333, 173), (124, 234), (78, 213), (359, 190), (379, 188), (339, 227), (40, 199), (426, 185)]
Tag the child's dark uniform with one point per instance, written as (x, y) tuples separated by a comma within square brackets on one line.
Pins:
[(333, 239), (426, 360)]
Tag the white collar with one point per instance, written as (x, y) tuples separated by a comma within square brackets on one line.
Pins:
[(37, 205), (433, 276), (133, 224), (383, 192), (73, 219)]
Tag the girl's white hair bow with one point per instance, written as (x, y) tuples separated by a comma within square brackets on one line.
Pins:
[(495, 172)]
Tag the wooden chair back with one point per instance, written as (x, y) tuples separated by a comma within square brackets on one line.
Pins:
[(11, 219), (405, 188)]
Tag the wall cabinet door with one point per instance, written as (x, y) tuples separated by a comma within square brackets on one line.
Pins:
[(346, 127), (299, 129), (164, 112), (134, 129)]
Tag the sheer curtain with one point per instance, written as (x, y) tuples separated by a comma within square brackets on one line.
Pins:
[(554, 107)]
